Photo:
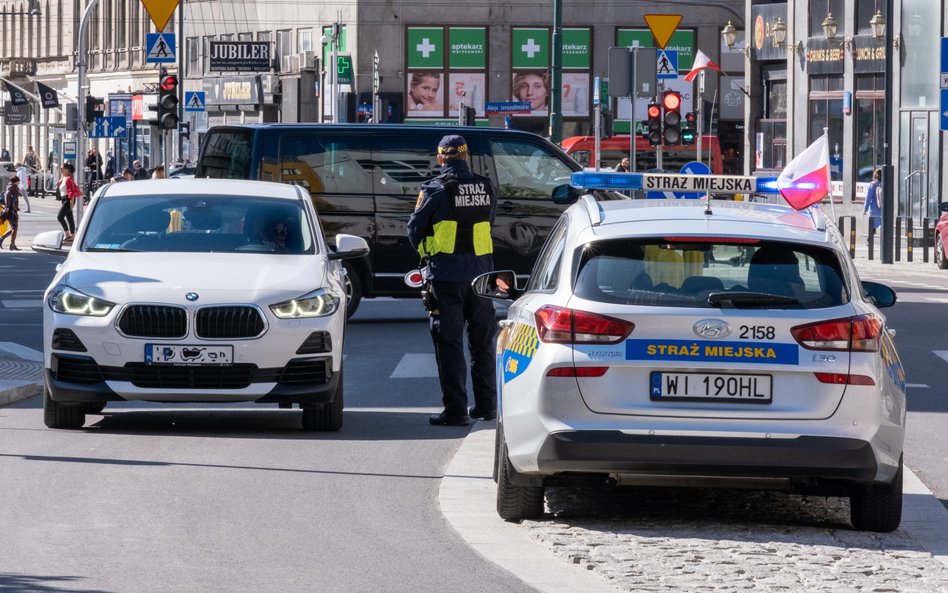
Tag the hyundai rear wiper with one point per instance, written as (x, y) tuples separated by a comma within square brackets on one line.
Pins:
[(749, 299)]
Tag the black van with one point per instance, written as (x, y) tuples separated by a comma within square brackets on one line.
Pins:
[(365, 180)]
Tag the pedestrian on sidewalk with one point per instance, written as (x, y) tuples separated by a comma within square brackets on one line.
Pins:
[(11, 211), (24, 174), (873, 205), (68, 190)]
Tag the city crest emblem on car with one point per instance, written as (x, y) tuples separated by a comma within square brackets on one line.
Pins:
[(712, 328), (193, 296)]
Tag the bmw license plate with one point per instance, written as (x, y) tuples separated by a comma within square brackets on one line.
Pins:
[(181, 354), (711, 387)]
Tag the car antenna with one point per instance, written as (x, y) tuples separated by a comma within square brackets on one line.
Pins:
[(707, 204)]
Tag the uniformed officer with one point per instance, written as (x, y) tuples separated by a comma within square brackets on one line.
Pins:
[(451, 228)]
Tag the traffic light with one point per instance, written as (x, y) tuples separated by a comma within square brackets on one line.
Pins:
[(184, 129), (95, 107), (671, 103), (689, 132), (654, 133), (168, 102)]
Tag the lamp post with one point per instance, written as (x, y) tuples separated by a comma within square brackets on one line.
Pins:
[(888, 200), (556, 100)]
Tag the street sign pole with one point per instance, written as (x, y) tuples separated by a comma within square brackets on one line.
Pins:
[(633, 57), (597, 103), (82, 61)]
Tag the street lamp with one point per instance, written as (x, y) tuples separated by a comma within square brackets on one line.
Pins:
[(830, 26), (729, 35), (877, 23)]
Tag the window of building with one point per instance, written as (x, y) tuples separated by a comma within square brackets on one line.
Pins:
[(284, 45), (245, 36), (819, 11), (826, 111), (194, 57), (304, 40), (869, 124)]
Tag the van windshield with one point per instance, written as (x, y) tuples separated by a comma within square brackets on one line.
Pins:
[(226, 155)]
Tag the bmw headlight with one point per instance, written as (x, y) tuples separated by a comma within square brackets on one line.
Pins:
[(315, 304), (68, 300)]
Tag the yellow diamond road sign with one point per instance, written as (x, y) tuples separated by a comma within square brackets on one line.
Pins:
[(662, 26), (160, 11)]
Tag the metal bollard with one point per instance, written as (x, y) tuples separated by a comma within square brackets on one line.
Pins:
[(898, 234), (852, 232), (909, 241), (928, 239), (872, 236)]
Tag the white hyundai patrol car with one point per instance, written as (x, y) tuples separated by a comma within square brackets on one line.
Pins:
[(678, 342)]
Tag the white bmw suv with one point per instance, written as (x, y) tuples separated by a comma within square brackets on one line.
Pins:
[(660, 342), (196, 290)]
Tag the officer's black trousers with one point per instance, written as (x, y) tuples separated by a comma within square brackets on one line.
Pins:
[(458, 305)]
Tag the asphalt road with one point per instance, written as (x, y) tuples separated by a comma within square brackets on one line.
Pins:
[(237, 498)]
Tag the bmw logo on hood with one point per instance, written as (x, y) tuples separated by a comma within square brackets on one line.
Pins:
[(712, 328), (193, 296)]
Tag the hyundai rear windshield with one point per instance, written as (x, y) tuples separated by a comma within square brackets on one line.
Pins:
[(711, 273)]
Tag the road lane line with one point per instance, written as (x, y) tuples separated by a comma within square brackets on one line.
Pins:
[(413, 366), (21, 351)]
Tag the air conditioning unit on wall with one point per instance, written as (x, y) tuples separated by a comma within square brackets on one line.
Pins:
[(307, 60), (290, 64)]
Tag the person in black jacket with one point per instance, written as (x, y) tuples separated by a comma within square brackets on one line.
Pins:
[(451, 229)]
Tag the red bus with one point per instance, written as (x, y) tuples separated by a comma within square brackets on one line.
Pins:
[(615, 148)]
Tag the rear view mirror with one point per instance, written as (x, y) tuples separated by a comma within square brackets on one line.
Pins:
[(50, 242), (349, 247), (500, 285)]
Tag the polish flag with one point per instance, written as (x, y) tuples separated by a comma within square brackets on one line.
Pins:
[(806, 179), (701, 62)]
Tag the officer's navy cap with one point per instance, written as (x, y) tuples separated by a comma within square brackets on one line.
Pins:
[(452, 144), (129, 171)]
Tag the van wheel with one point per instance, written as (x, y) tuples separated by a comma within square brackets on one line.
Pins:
[(58, 415), (515, 503), (353, 289), (877, 507), (326, 417)]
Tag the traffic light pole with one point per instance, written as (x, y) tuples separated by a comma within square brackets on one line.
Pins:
[(81, 63)]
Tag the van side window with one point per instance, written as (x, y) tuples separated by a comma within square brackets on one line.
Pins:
[(526, 170), (403, 163), (227, 155), (327, 163)]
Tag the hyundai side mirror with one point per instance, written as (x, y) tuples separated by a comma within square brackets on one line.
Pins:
[(500, 285)]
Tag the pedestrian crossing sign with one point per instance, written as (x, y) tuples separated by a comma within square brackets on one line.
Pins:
[(194, 101), (160, 48), (667, 64)]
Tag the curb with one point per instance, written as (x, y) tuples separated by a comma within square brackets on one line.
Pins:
[(19, 392), (467, 497)]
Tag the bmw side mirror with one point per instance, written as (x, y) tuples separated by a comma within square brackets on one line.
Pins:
[(500, 285), (880, 294), (349, 247), (50, 242)]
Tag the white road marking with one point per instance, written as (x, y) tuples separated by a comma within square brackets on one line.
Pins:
[(413, 366), (916, 386), (936, 300), (943, 354), (22, 351)]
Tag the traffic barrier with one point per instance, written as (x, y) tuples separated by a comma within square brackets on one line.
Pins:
[(852, 232), (928, 238)]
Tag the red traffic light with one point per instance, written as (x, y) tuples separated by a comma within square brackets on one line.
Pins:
[(654, 111), (671, 101), (169, 83)]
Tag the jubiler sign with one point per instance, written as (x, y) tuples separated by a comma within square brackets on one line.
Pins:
[(239, 56)]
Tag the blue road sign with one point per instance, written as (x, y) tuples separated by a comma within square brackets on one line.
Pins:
[(507, 107), (69, 150), (109, 127), (160, 48), (693, 168), (943, 112), (666, 65), (944, 54), (194, 101)]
